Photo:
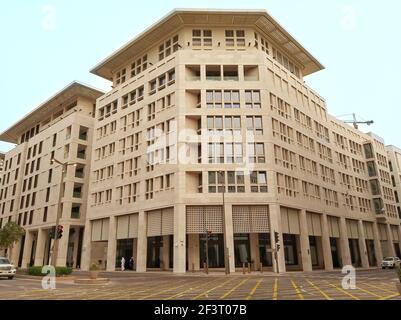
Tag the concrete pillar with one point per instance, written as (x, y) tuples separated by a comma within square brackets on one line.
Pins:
[(362, 245), (166, 252), (13, 253), (378, 247), (86, 246), (229, 237), (390, 242), (26, 256), (142, 242), (255, 256), (40, 247), (326, 247), (61, 259), (304, 242), (193, 252), (112, 245), (179, 245), (344, 245), (275, 226)]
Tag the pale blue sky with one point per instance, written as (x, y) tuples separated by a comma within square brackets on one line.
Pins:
[(47, 44)]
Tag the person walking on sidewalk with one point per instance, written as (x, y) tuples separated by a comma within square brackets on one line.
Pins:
[(122, 263)]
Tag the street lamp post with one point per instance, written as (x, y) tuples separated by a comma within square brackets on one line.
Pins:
[(64, 167)]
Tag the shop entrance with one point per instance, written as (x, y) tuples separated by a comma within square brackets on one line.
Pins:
[(242, 251)]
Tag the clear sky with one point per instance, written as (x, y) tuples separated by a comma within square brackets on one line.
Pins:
[(47, 44)]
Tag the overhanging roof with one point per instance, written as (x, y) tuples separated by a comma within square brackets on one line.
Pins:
[(74, 89), (202, 17)]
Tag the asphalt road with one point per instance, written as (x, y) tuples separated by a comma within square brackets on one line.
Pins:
[(370, 285)]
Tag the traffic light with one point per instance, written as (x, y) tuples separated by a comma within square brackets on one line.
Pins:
[(277, 240), (52, 233), (59, 231)]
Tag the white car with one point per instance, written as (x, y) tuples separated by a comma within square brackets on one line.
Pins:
[(7, 269), (391, 262)]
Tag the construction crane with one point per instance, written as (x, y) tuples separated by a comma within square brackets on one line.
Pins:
[(355, 121)]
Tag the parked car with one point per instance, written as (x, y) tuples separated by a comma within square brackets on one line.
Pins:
[(7, 269), (391, 262)]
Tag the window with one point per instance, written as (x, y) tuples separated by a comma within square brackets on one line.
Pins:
[(121, 76), (214, 99), (256, 153), (235, 38), (254, 125), (252, 99), (258, 181), (201, 38), (139, 66), (168, 47)]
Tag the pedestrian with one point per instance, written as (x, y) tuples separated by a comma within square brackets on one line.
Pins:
[(122, 263), (131, 263)]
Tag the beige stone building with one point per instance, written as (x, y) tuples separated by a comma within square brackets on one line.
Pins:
[(394, 156), (2, 156), (61, 128), (210, 135), (210, 143)]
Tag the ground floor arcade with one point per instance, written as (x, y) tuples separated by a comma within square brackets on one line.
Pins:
[(189, 238)]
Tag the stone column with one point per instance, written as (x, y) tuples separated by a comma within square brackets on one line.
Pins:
[(61, 259), (112, 245), (362, 245), (255, 256), (229, 237), (390, 241), (378, 247), (40, 247), (345, 251), (326, 247), (179, 245), (142, 242), (275, 226), (26, 256), (86, 246), (166, 252), (193, 252), (304, 242)]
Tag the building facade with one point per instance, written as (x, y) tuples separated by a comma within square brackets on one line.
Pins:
[(211, 136), (34, 184), (2, 156), (210, 148)]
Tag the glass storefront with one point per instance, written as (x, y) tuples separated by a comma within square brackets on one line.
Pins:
[(354, 251), (335, 252), (264, 250), (125, 248), (155, 252), (242, 251), (290, 249), (370, 247), (314, 251), (216, 250)]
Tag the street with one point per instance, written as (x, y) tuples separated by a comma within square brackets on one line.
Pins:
[(370, 285)]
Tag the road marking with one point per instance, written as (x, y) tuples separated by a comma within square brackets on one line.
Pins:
[(233, 289), (210, 290), (379, 287), (249, 297), (275, 289), (389, 297), (343, 291), (318, 289), (160, 292), (369, 292), (190, 289), (297, 290)]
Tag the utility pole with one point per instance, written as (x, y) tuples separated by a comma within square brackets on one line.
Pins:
[(64, 167)]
